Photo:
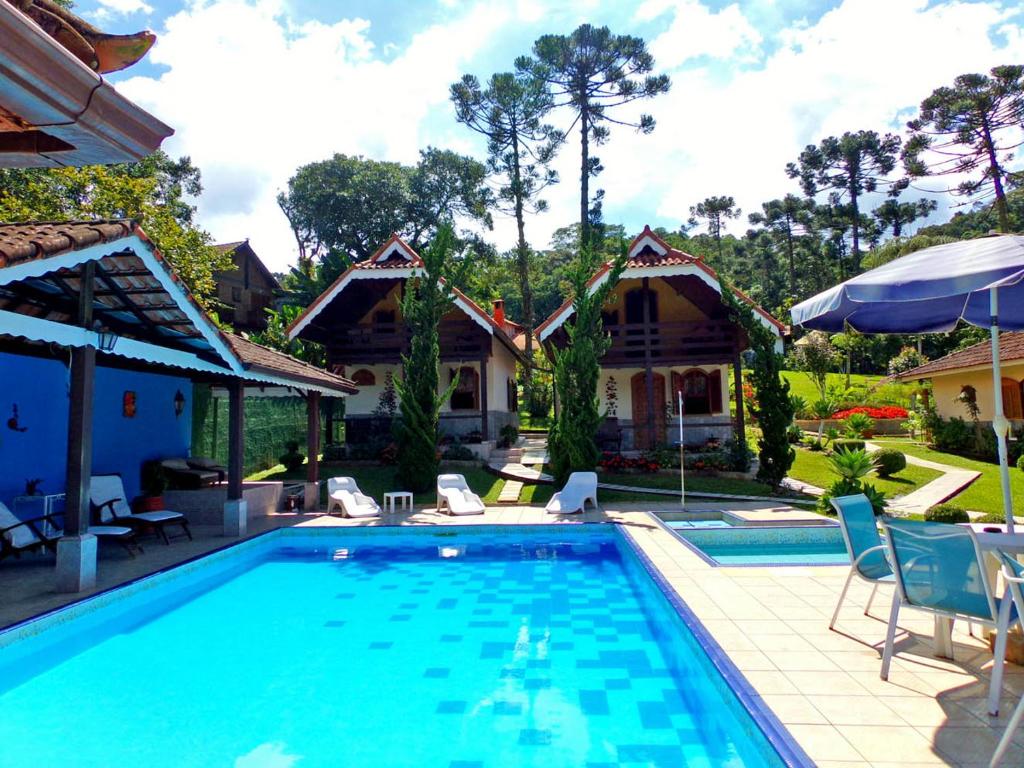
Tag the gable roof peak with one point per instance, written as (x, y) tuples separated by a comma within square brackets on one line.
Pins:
[(395, 246)]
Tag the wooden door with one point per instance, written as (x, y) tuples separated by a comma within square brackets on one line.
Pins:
[(643, 439)]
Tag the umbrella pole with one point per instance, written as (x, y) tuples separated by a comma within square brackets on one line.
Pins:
[(999, 422)]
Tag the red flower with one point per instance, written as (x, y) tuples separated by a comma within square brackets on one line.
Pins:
[(875, 412)]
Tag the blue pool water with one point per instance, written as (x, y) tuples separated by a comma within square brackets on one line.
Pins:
[(770, 545), (447, 649), (688, 524)]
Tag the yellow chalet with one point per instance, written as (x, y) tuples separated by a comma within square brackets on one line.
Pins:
[(359, 321), (670, 333)]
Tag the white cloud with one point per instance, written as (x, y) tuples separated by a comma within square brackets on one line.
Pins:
[(253, 96), (733, 132), (111, 8), (698, 31)]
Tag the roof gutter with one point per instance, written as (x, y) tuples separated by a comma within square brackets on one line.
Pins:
[(45, 86)]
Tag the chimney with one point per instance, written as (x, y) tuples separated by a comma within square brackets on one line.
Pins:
[(499, 312)]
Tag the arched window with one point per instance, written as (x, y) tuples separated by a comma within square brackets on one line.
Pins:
[(364, 378), (466, 396), (702, 392), (1012, 406)]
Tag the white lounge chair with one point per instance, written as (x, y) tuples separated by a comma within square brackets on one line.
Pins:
[(18, 536), (453, 494), (344, 492), (106, 492), (580, 488)]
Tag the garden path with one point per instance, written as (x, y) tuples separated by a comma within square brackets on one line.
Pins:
[(952, 481)]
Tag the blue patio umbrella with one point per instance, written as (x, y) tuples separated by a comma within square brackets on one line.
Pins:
[(979, 281)]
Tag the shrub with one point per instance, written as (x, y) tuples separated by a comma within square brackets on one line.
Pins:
[(947, 513), (335, 452), (908, 359), (846, 487), (794, 434), (1020, 462), (292, 459), (508, 436), (851, 464), (847, 445), (889, 461), (816, 445), (991, 517), (801, 409), (874, 412), (953, 436), (858, 425), (458, 452)]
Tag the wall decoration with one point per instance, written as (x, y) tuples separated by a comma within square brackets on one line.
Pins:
[(128, 405), (179, 403), (387, 401), (12, 423), (611, 397)]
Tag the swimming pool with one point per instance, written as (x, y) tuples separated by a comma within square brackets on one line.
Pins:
[(453, 648), (768, 545)]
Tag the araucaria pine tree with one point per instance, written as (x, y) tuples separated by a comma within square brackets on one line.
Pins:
[(774, 410), (426, 301), (571, 441)]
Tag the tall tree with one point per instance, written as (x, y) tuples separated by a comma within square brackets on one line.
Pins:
[(343, 208), (971, 129), (154, 191), (428, 299), (850, 165), (716, 212), (571, 441), (592, 72), (895, 215), (510, 112), (783, 218)]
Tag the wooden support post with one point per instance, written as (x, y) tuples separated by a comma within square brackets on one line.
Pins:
[(236, 438), (313, 437), (741, 419), (484, 422), (329, 416), (76, 551), (648, 371)]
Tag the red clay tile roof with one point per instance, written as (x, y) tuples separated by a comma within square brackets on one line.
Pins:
[(266, 360), (40, 239), (391, 262), (1011, 347), (649, 258)]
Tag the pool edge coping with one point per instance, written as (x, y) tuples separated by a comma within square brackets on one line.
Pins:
[(773, 729)]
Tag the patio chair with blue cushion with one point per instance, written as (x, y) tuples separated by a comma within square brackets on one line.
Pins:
[(868, 560), (940, 568), (1013, 575)]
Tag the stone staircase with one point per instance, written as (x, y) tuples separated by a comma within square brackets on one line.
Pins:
[(516, 463)]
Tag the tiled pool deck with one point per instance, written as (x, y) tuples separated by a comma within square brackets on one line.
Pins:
[(773, 623)]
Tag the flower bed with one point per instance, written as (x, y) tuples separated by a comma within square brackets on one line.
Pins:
[(875, 412), (617, 463)]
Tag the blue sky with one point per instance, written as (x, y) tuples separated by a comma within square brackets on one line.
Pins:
[(255, 88)]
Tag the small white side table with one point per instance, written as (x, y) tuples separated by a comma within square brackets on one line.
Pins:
[(49, 500), (404, 497)]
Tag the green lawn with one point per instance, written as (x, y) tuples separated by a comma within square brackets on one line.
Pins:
[(526, 421), (984, 494), (375, 481), (813, 467), (800, 383)]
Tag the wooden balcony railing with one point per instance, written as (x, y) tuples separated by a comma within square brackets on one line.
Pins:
[(671, 343)]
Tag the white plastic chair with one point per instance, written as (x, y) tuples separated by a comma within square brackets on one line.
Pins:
[(580, 488), (344, 492), (453, 494), (1013, 574)]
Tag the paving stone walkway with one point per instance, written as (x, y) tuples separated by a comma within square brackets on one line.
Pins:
[(949, 484)]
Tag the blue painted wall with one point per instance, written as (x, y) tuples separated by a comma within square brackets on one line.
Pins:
[(40, 390)]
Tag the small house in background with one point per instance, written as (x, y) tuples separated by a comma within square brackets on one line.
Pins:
[(670, 333), (967, 374), (246, 291), (359, 321)]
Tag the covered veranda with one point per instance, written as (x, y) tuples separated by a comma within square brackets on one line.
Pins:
[(96, 300)]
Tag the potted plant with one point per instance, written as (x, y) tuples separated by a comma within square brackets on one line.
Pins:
[(154, 483)]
